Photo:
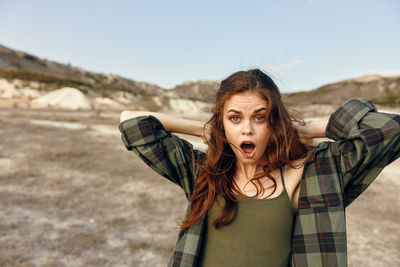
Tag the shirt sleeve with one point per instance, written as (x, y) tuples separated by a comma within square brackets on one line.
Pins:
[(167, 154), (366, 141)]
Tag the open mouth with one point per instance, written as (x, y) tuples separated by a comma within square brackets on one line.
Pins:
[(248, 148)]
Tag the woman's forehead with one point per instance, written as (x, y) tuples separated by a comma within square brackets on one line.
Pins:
[(246, 101)]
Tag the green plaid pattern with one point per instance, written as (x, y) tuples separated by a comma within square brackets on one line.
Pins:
[(336, 173)]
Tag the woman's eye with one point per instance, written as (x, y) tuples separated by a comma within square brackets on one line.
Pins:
[(234, 118), (260, 118)]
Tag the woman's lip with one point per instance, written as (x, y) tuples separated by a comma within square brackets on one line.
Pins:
[(248, 155), (245, 154), (250, 142)]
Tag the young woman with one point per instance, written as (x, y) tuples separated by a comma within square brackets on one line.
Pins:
[(260, 196)]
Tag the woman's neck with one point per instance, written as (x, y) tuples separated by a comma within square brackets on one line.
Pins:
[(246, 171)]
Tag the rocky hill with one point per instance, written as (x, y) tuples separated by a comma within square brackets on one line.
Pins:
[(381, 90), (200, 90), (21, 72), (52, 75)]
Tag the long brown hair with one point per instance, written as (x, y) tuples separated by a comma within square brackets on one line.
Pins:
[(216, 177)]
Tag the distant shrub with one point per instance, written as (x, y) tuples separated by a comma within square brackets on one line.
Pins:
[(389, 100), (323, 88), (106, 94), (293, 94), (48, 81), (52, 82), (30, 57)]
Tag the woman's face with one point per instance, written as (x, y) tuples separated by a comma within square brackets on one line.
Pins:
[(245, 124)]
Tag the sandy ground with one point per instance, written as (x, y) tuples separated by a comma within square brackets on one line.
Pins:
[(71, 195)]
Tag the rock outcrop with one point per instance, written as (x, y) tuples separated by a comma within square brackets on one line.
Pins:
[(64, 98)]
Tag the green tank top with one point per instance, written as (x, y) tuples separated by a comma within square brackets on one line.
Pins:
[(259, 235)]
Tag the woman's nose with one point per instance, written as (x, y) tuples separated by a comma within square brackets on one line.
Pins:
[(247, 127)]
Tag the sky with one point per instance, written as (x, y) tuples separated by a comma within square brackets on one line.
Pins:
[(302, 44)]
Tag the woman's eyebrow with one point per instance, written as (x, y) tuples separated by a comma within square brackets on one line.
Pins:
[(259, 110), (235, 111), (239, 112)]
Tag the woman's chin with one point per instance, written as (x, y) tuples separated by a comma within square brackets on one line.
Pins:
[(246, 158)]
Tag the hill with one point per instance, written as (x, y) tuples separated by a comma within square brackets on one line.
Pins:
[(381, 90), (52, 75), (23, 71), (200, 90)]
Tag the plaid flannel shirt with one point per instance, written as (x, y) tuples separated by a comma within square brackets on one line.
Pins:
[(365, 141)]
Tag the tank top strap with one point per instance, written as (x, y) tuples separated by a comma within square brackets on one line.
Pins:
[(285, 191)]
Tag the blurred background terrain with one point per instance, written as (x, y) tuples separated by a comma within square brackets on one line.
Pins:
[(27, 81), (71, 195)]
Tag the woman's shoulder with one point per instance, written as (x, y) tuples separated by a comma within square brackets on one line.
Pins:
[(293, 174)]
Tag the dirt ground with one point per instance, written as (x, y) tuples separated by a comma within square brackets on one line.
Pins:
[(72, 195)]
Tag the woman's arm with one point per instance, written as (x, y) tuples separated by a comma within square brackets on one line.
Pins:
[(365, 141), (310, 130), (145, 134), (170, 123)]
